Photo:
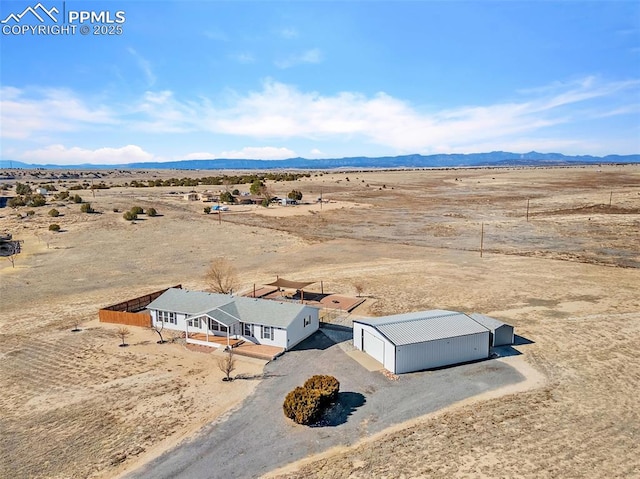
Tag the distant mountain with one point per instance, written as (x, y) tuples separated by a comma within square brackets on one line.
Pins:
[(495, 158)]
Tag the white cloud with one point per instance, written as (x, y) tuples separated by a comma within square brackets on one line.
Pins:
[(59, 154), (288, 33), (22, 113), (279, 112), (259, 153), (199, 155), (144, 65), (244, 58), (309, 56)]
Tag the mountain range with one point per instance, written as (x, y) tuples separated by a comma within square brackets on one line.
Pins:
[(495, 158)]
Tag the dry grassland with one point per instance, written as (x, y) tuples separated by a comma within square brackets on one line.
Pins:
[(77, 405)]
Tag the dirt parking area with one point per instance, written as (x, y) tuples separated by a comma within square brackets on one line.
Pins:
[(567, 279)]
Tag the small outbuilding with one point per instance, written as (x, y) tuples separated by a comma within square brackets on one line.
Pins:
[(421, 340), (501, 334)]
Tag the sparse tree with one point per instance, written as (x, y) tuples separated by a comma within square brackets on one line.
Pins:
[(158, 327), (295, 195), (359, 287), (12, 249), (221, 276), (123, 332), (227, 364)]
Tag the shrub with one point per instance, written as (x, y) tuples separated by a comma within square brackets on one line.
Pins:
[(54, 213), (226, 197), (137, 210), (38, 200), (130, 216), (328, 386), (303, 405), (152, 212), (16, 201), (86, 208), (295, 195), (306, 404), (54, 227)]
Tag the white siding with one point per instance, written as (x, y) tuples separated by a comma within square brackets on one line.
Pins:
[(441, 352), (503, 335), (386, 353), (297, 331)]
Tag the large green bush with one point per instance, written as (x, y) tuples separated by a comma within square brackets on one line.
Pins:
[(303, 405)]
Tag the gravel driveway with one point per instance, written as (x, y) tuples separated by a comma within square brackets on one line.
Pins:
[(257, 438)]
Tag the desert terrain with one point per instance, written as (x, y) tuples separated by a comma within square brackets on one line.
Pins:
[(566, 274)]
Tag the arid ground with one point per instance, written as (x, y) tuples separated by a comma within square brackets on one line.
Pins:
[(566, 275)]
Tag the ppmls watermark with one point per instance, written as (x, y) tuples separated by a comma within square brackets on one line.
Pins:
[(40, 20)]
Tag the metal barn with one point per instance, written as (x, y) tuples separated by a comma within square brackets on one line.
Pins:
[(501, 333), (421, 340)]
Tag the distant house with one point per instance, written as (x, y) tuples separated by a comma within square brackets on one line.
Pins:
[(209, 315), (428, 339), (191, 196)]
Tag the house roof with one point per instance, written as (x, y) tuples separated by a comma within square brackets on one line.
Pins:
[(228, 309), (422, 326), (489, 323)]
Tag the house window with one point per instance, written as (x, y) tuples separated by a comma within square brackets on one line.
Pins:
[(247, 329), (167, 317), (267, 332), (307, 321)]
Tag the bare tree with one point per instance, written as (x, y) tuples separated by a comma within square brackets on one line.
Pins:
[(221, 276), (123, 332), (158, 327), (359, 287), (11, 250), (227, 364)]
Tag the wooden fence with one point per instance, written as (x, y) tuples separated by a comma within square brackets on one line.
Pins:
[(130, 312), (123, 317)]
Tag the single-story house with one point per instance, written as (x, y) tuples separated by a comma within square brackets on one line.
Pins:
[(421, 340), (191, 196), (261, 321), (500, 334)]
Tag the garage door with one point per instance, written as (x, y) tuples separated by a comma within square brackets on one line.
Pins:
[(373, 346)]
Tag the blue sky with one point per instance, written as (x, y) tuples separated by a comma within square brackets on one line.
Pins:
[(270, 80)]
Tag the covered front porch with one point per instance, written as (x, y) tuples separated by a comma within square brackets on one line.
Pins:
[(214, 329)]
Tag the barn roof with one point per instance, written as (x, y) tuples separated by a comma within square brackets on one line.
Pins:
[(228, 309), (489, 323), (422, 326)]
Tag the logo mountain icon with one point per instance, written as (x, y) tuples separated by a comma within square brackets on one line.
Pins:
[(38, 11)]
